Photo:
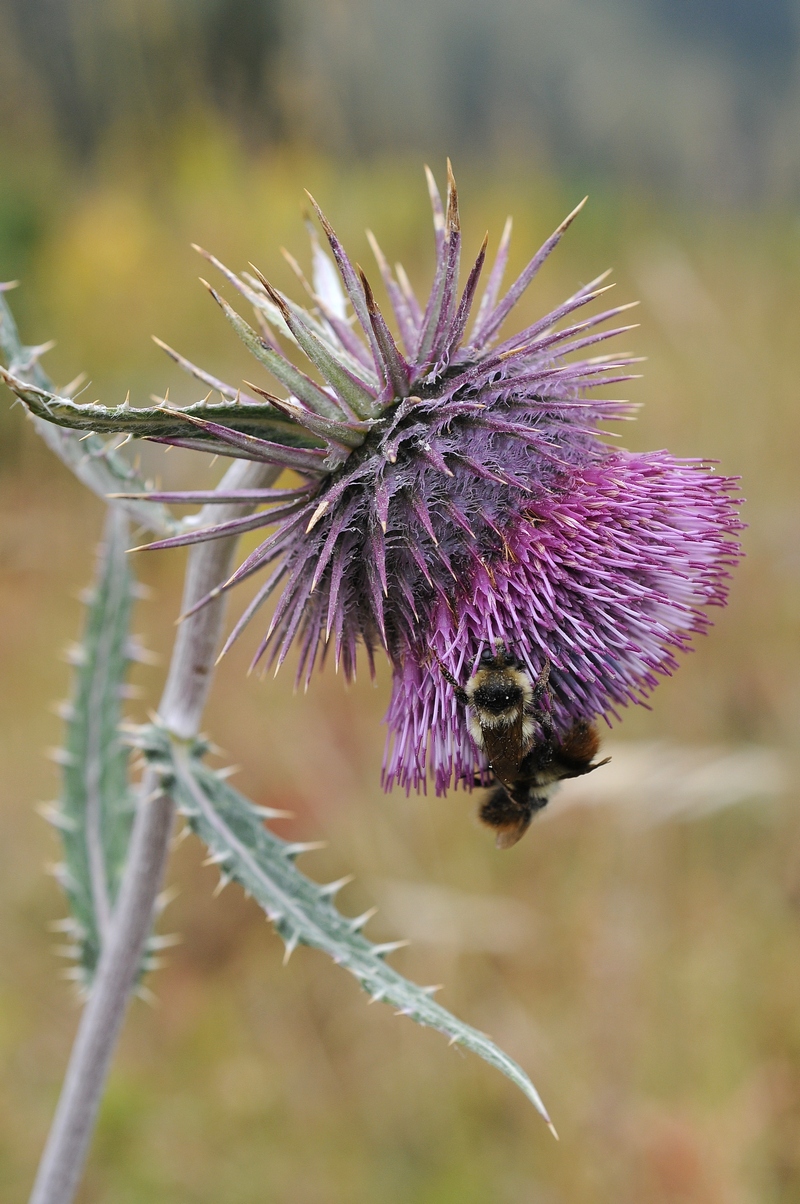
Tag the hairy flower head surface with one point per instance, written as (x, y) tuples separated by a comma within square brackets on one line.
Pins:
[(455, 489)]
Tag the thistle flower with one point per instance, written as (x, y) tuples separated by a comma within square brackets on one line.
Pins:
[(455, 490)]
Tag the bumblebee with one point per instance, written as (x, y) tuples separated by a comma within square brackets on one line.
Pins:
[(504, 711)]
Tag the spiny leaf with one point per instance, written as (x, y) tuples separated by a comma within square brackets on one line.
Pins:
[(92, 461), (302, 910), (160, 422), (95, 811)]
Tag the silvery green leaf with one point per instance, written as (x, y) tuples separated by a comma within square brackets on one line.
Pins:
[(302, 910), (94, 814), (263, 420), (91, 459)]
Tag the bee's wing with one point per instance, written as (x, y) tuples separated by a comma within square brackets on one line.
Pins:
[(510, 833)]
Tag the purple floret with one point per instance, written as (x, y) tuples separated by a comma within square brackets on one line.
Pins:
[(607, 580)]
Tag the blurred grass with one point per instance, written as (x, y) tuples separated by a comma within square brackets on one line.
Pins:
[(657, 1001)]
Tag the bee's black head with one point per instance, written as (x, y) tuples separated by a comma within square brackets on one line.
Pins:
[(499, 657)]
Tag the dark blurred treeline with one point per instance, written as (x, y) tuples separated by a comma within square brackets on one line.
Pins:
[(698, 97), (139, 65)]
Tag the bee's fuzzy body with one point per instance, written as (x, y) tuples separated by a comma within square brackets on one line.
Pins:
[(504, 712)]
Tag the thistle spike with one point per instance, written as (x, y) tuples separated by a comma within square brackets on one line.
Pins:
[(349, 389), (271, 812), (348, 435), (225, 390), (331, 889), (167, 940), (292, 941), (178, 839), (228, 772), (60, 756), (358, 922), (75, 655), (389, 947), (501, 311), (349, 279), (297, 847), (297, 382), (217, 858), (224, 879), (262, 306), (398, 300), (489, 298), (53, 815), (396, 372)]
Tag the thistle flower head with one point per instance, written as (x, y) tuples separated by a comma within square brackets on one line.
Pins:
[(456, 490)]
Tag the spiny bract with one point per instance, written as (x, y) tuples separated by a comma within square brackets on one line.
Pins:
[(455, 490)]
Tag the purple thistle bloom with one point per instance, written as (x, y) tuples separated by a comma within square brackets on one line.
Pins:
[(456, 490)]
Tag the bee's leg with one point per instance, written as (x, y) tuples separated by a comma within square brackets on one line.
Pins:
[(542, 714), (546, 723), (541, 687), (540, 684), (478, 782), (459, 691)]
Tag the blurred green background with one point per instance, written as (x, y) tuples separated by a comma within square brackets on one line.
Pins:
[(646, 973)]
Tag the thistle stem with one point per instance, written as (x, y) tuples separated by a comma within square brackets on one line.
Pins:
[(188, 681)]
